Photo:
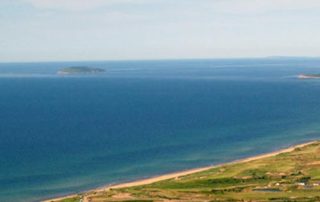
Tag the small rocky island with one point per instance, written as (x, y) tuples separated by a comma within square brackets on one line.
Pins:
[(309, 76), (80, 70)]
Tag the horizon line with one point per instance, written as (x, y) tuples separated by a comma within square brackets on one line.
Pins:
[(162, 59)]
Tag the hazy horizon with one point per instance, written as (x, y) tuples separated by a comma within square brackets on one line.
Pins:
[(83, 30), (165, 59)]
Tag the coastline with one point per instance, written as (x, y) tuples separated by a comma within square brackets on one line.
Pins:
[(177, 174), (306, 76)]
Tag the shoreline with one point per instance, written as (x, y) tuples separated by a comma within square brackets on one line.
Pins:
[(308, 76), (177, 174)]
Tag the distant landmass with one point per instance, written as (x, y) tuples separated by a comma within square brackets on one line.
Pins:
[(292, 57), (80, 70), (309, 76)]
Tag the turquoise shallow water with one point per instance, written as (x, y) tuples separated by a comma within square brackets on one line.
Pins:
[(66, 134)]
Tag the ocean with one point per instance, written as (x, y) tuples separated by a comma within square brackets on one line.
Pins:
[(67, 134)]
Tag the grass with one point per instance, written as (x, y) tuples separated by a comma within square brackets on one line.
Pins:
[(291, 176), (75, 199)]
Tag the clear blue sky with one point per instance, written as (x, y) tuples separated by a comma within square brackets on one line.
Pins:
[(51, 30)]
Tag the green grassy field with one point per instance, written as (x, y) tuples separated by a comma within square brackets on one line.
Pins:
[(291, 176)]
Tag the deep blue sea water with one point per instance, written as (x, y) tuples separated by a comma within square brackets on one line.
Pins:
[(66, 134)]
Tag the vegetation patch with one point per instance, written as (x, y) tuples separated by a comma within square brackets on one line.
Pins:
[(288, 177)]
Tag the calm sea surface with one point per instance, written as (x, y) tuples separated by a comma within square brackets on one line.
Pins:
[(66, 134)]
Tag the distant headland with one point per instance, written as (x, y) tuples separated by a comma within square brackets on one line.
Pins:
[(309, 76), (80, 70)]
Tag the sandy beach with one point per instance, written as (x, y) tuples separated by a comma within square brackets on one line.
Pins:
[(179, 174)]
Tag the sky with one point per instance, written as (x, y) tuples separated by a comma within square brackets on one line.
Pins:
[(76, 30)]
